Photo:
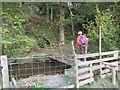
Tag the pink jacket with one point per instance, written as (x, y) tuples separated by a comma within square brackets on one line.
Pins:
[(85, 38), (79, 42)]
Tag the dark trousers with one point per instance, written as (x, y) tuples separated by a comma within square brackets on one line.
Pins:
[(82, 51)]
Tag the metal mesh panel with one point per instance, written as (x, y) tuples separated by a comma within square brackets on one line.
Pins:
[(26, 69), (51, 69)]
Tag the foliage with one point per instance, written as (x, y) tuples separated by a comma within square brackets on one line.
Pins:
[(69, 79), (101, 83), (37, 85), (20, 36), (109, 31), (14, 39)]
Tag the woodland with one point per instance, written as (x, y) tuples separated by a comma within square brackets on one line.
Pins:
[(31, 26)]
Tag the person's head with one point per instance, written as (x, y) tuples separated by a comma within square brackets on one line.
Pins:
[(80, 33)]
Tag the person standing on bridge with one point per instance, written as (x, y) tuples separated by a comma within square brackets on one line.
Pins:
[(82, 42)]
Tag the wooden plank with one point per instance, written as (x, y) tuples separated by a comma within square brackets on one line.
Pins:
[(88, 75), (85, 81), (116, 62), (110, 52), (116, 68), (95, 67), (106, 71), (111, 64), (88, 69), (83, 70), (87, 55), (5, 75), (95, 54), (29, 57), (106, 75), (80, 63)]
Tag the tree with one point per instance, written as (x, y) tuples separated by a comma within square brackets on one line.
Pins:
[(14, 39), (61, 27), (109, 30)]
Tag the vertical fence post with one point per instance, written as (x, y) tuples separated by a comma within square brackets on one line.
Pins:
[(1, 30), (85, 52), (91, 73), (5, 75), (100, 35), (75, 66), (113, 75), (116, 55), (61, 52)]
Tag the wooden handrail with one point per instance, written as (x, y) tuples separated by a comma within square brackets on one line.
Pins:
[(96, 54), (111, 64), (95, 61)]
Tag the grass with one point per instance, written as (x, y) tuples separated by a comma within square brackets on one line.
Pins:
[(69, 79), (50, 33), (101, 83)]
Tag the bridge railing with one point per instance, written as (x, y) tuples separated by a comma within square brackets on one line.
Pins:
[(86, 70), (4, 77)]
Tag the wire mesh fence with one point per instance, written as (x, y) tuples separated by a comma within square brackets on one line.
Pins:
[(52, 70), (26, 69)]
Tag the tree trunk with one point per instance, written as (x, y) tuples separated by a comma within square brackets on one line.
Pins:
[(47, 12), (72, 24), (61, 27), (51, 14), (73, 31)]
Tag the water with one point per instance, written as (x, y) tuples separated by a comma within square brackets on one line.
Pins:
[(26, 69)]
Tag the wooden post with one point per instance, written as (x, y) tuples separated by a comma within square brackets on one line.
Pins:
[(5, 75), (14, 81), (113, 75), (116, 55), (85, 52), (61, 53), (91, 73), (75, 66), (73, 48), (0, 39), (100, 52), (100, 42)]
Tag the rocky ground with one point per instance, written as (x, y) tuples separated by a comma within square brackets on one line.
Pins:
[(48, 81)]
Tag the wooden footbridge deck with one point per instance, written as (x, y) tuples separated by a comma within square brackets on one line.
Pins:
[(60, 58), (68, 59)]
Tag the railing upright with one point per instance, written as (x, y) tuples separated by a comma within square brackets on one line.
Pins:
[(5, 74)]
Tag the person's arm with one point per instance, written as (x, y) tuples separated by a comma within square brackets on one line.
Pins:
[(79, 43)]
